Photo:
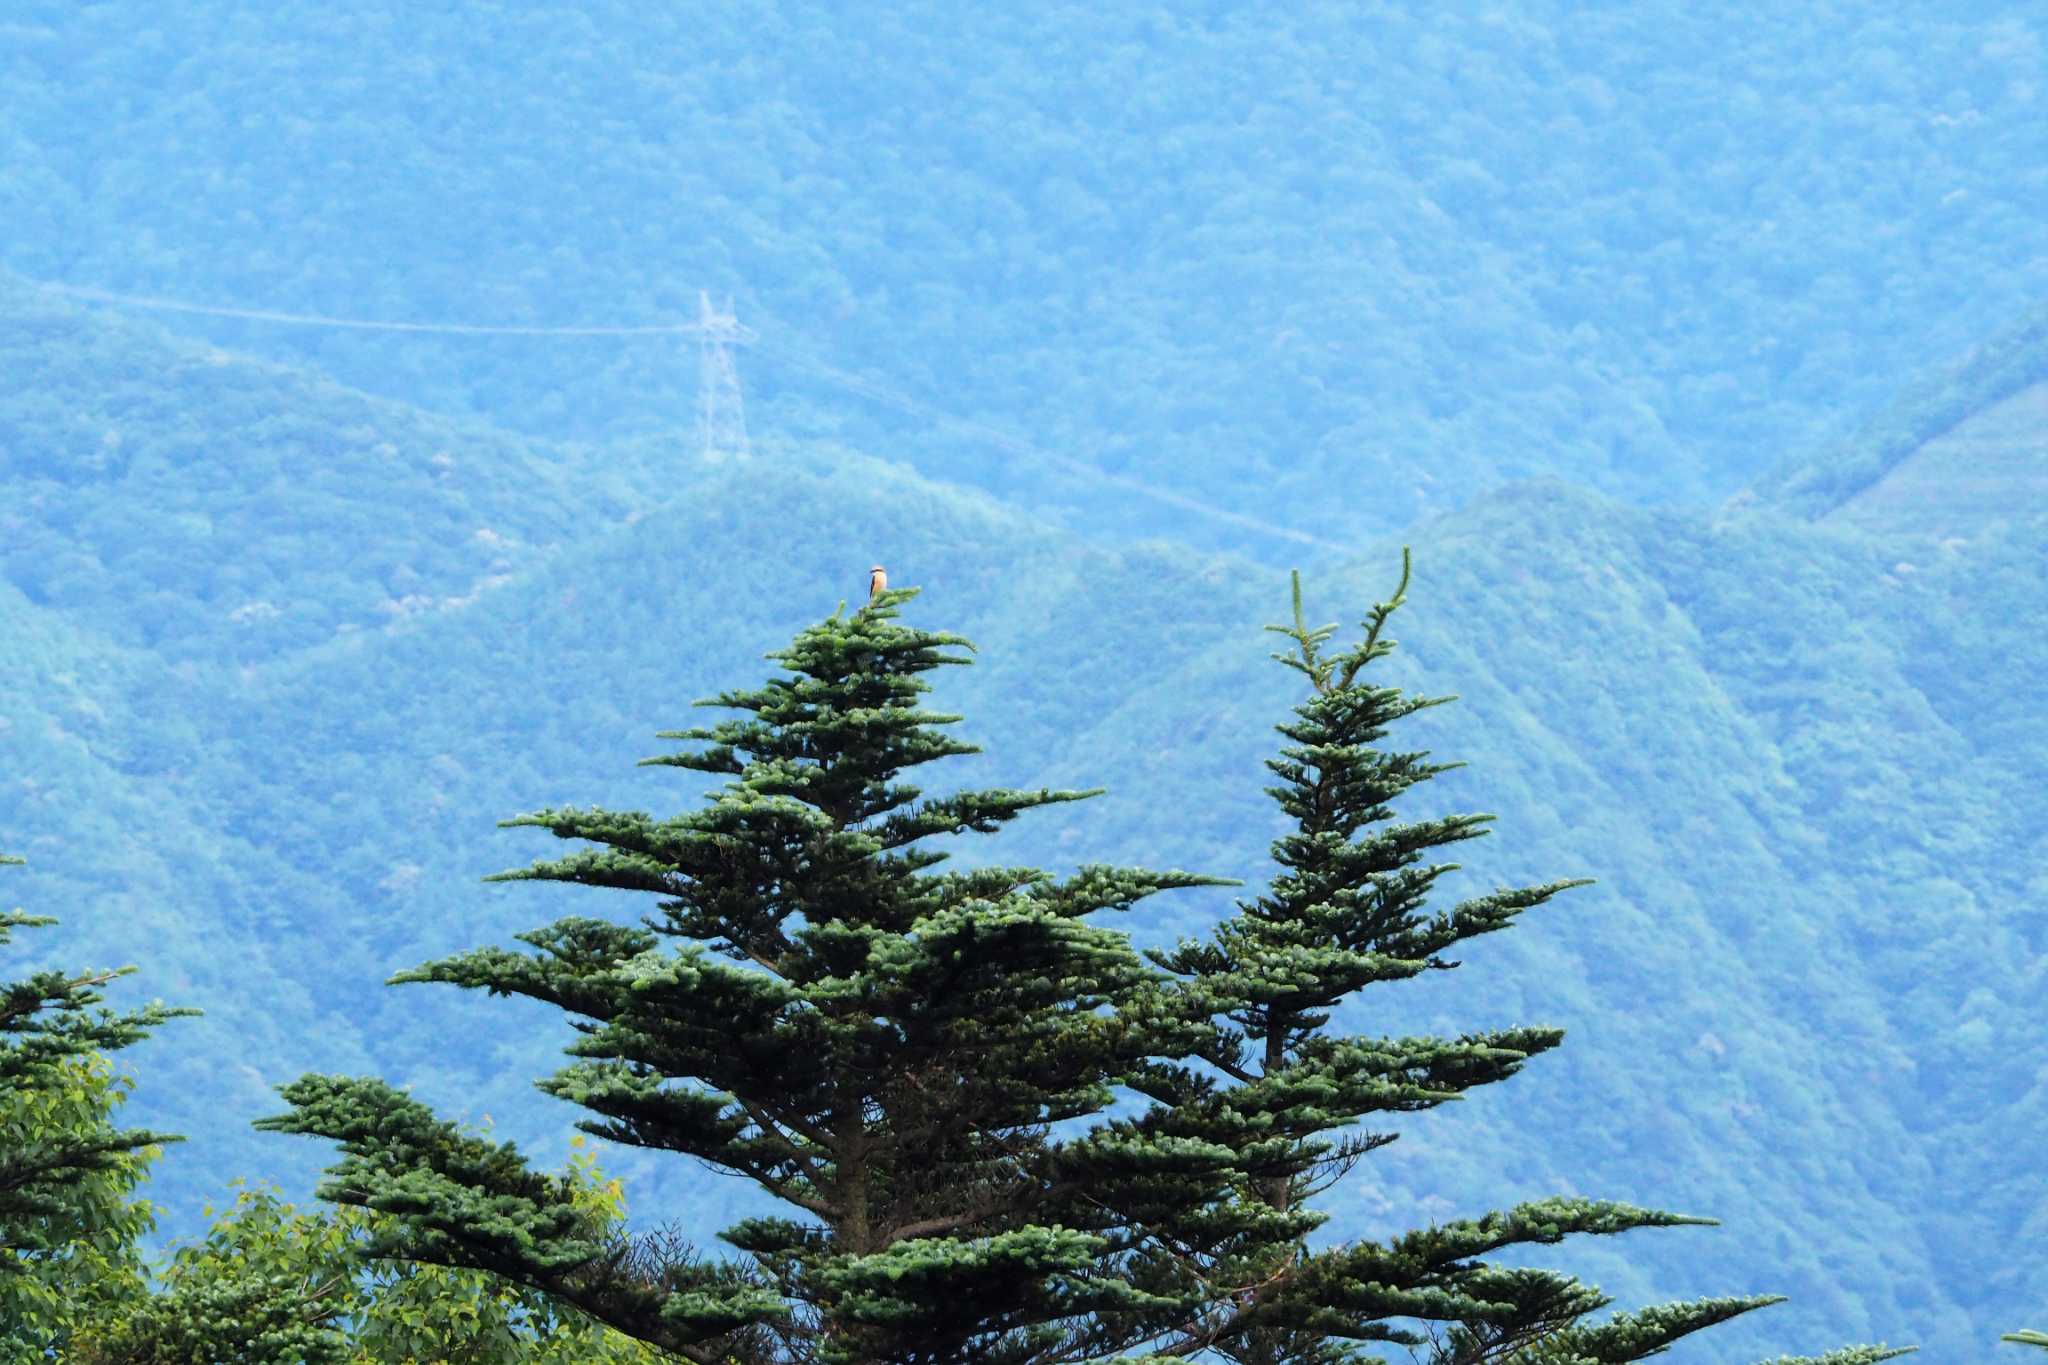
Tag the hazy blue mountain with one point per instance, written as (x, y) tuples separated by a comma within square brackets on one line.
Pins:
[(1797, 755), (1333, 266), (297, 612), (207, 506), (1958, 451)]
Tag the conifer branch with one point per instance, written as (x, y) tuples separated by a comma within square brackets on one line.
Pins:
[(1382, 610), (899, 1065)]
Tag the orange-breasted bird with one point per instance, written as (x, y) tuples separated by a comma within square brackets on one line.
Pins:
[(878, 581)]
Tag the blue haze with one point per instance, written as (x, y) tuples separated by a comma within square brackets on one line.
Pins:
[(1092, 321)]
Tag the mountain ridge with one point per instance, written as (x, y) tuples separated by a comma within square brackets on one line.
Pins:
[(1339, 269)]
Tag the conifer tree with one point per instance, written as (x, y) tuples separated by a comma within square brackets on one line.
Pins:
[(883, 1045), (1347, 911), (888, 1048), (67, 1224), (49, 1023)]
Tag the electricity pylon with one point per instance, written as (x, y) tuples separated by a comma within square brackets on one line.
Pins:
[(721, 420)]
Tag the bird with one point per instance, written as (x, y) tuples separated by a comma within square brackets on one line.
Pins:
[(878, 582)]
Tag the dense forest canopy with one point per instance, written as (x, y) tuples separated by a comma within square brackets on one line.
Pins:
[(1410, 252), (1614, 313)]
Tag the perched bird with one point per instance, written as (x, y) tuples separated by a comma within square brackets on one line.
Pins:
[(878, 582)]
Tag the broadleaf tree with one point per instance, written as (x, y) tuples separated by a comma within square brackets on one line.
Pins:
[(274, 1284), (919, 1061)]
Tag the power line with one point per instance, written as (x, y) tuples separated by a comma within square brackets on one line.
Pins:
[(162, 305), (720, 330), (903, 402)]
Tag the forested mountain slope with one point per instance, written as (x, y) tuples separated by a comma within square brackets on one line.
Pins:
[(1796, 756), (203, 505), (284, 651), (1338, 266), (1961, 448)]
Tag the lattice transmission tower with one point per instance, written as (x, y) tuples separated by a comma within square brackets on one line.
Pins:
[(721, 418)]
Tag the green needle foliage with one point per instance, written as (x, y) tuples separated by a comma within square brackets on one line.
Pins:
[(49, 1022), (1284, 1095), (885, 1046), (2028, 1338), (909, 1059), (67, 1222)]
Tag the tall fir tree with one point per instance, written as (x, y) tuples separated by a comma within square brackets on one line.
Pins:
[(901, 1055), (885, 1046), (1346, 911), (68, 1222)]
